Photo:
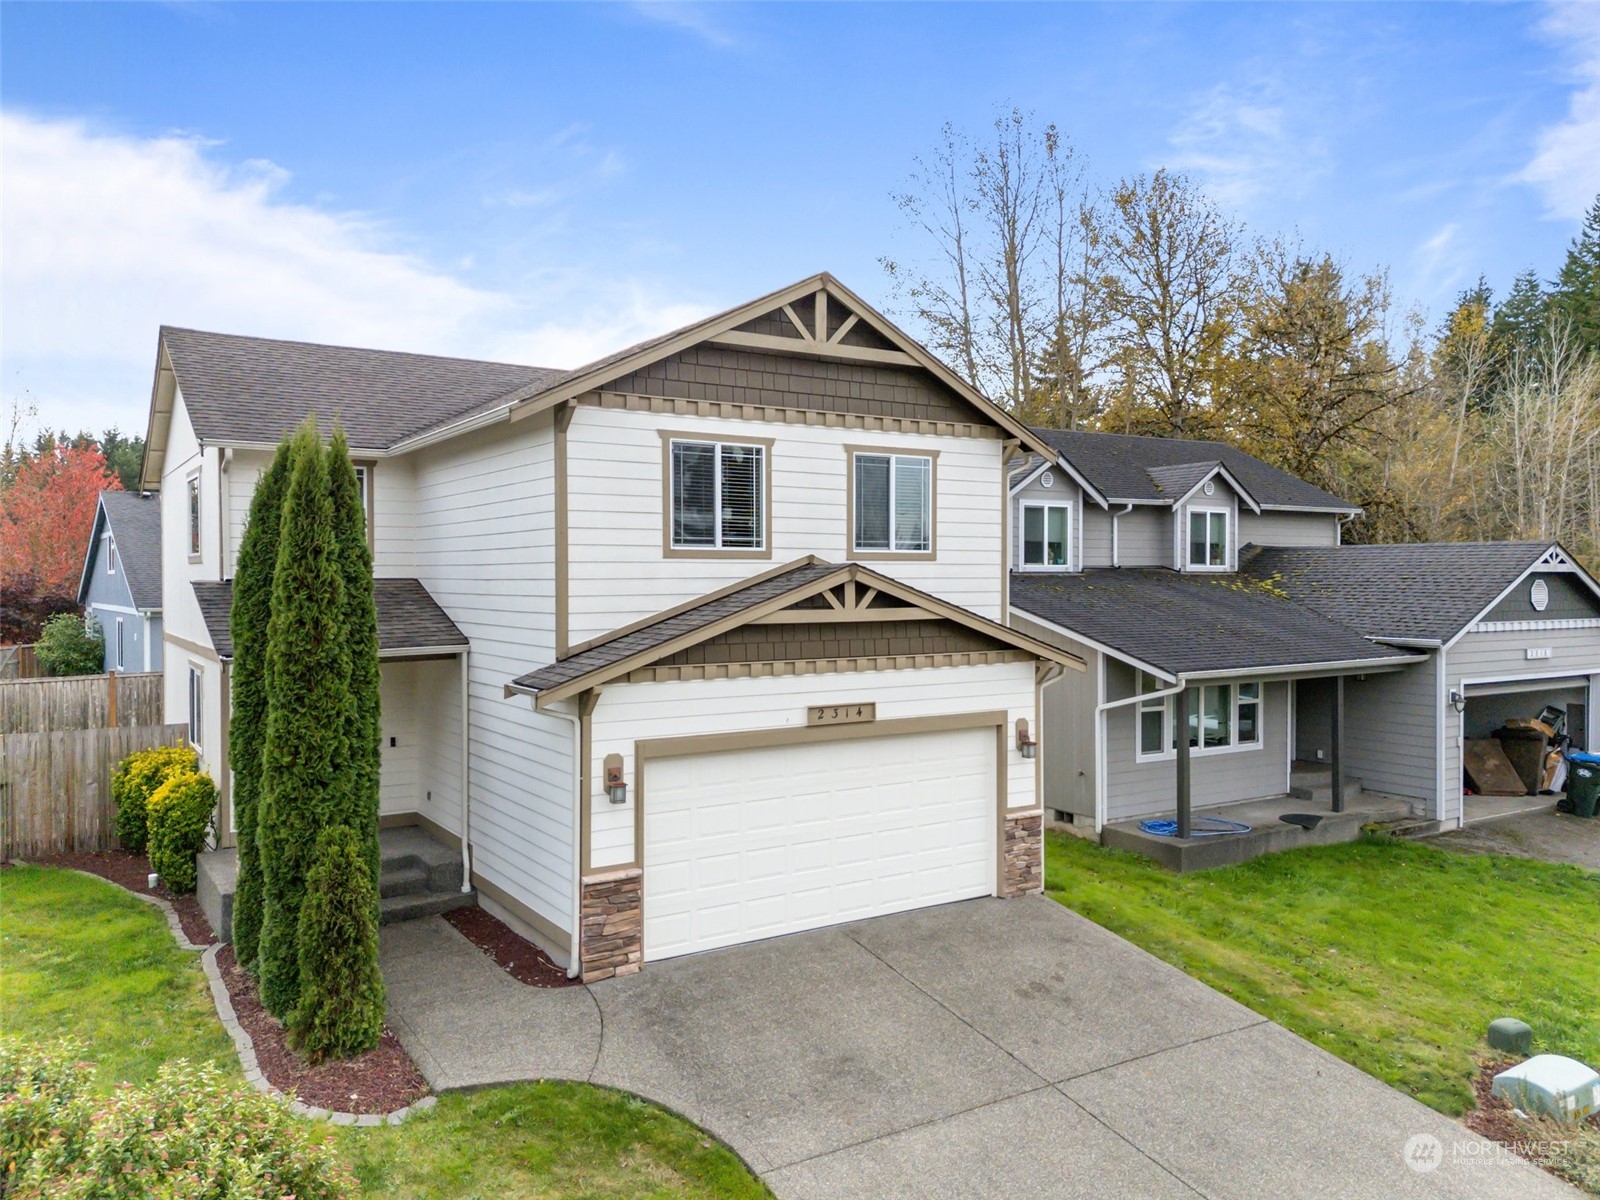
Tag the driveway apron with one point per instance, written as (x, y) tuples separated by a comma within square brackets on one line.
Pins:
[(994, 1048)]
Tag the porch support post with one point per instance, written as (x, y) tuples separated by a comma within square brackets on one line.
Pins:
[(1180, 719), (464, 660), (1335, 738)]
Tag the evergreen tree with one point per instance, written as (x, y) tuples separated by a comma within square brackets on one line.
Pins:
[(340, 1009), (252, 610), (364, 733), (1521, 319), (308, 714), (1576, 295)]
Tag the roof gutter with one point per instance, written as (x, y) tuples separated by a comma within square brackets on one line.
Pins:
[(441, 433), (1408, 643), (1341, 667)]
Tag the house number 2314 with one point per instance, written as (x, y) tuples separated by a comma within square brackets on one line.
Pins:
[(840, 714)]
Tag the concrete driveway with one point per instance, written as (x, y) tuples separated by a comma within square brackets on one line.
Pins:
[(1541, 833), (987, 1049)]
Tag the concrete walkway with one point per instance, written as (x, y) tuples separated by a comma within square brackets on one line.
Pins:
[(986, 1049)]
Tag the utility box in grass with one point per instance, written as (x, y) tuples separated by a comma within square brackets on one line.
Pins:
[(1552, 1085)]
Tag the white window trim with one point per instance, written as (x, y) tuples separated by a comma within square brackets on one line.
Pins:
[(1065, 506), (762, 498), (119, 643), (196, 706), (1228, 534), (193, 516), (1167, 716), (891, 550)]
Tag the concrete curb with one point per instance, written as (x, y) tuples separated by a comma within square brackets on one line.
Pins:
[(242, 1044)]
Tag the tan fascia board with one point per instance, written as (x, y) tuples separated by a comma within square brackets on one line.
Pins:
[(524, 402), (809, 560), (602, 675), (845, 572), (1056, 462), (961, 616), (1101, 647), (163, 398)]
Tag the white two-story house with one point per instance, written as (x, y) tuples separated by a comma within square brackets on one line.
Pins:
[(702, 643), (1233, 642)]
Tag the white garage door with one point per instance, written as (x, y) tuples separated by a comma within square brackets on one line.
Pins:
[(747, 844)]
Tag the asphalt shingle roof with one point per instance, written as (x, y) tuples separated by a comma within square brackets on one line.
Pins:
[(1427, 591), (649, 637), (252, 389), (409, 618), (1187, 623), (135, 522), (1121, 466), (1179, 479)]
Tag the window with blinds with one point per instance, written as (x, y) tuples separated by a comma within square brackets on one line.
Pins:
[(718, 496), (893, 502)]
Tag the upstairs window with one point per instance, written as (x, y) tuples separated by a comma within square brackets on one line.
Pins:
[(111, 554), (718, 496), (194, 516), (1208, 538), (364, 488), (1046, 535), (893, 500)]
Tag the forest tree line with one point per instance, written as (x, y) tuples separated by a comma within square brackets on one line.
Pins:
[(1145, 308)]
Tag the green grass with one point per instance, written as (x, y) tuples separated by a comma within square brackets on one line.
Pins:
[(79, 958), (530, 1141), (1392, 955)]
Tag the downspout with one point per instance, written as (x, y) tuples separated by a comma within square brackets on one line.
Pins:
[(574, 963), (1116, 550), (1338, 527), (466, 778)]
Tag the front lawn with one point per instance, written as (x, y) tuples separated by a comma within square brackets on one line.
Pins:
[(1392, 955), (80, 958)]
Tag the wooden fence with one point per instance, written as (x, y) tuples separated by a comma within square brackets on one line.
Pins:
[(60, 742), (19, 662), (80, 702), (55, 787)]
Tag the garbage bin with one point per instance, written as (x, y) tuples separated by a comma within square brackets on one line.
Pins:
[(1583, 782)]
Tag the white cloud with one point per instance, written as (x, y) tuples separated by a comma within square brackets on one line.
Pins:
[(1566, 166), (1245, 143), (108, 236), (695, 18)]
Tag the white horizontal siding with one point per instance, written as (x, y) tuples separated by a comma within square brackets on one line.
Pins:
[(484, 522), (634, 712), (179, 609), (1288, 529), (618, 573)]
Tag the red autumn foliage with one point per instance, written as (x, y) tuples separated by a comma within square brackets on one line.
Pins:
[(46, 515)]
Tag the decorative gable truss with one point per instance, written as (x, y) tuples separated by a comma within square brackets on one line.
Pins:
[(821, 324)]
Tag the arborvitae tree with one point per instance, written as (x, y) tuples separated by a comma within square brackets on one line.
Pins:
[(308, 714), (340, 1009), (252, 610), (364, 734)]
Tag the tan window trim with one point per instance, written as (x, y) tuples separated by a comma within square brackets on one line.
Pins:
[(850, 552), (668, 550)]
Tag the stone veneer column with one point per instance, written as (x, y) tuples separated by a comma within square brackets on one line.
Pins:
[(1023, 865), (611, 925)]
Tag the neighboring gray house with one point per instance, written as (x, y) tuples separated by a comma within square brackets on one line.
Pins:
[(1209, 591), (121, 582)]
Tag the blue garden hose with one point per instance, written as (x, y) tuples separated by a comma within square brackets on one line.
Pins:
[(1200, 827)]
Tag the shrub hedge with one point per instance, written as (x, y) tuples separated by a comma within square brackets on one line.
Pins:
[(180, 816), (71, 645), (189, 1134), (136, 779)]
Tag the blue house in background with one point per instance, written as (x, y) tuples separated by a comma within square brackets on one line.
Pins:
[(121, 583)]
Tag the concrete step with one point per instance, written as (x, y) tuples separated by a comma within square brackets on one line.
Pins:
[(415, 905), (402, 881), (1303, 787), (411, 847), (1411, 828)]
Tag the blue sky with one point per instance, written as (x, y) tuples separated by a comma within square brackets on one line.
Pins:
[(546, 183)]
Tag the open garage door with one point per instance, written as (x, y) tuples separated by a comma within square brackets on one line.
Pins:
[(1491, 705), (752, 843)]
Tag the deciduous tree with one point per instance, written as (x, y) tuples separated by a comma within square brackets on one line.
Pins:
[(47, 512)]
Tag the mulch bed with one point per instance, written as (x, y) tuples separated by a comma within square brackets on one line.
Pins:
[(517, 956), (132, 871), (1494, 1118), (378, 1081)]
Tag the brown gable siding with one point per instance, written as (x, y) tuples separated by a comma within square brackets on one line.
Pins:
[(833, 640), (773, 324), (734, 376)]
